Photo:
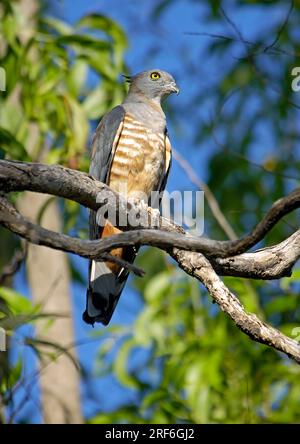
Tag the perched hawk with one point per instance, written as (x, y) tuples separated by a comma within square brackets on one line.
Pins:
[(130, 149)]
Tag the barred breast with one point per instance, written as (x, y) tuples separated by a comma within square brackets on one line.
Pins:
[(139, 160)]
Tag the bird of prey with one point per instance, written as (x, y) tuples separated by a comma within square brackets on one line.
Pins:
[(131, 150)]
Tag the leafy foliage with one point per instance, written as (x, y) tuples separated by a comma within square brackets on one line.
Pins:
[(49, 74), (47, 96)]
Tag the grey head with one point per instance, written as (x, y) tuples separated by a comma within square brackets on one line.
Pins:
[(154, 85)]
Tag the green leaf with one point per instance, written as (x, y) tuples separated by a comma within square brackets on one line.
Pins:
[(157, 286), (285, 283), (83, 42), (59, 26), (77, 77), (120, 365), (78, 126), (103, 23), (17, 303), (12, 147), (95, 103), (281, 304), (11, 379)]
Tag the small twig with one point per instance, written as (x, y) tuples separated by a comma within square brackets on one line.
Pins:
[(261, 49), (15, 263), (234, 27), (211, 200), (256, 164), (282, 27), (130, 267)]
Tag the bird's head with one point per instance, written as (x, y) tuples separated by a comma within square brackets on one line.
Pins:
[(154, 84)]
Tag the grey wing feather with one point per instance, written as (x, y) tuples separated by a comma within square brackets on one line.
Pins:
[(103, 147), (163, 182), (102, 154), (103, 143), (165, 178)]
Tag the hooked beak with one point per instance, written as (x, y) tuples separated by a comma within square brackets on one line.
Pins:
[(173, 88)]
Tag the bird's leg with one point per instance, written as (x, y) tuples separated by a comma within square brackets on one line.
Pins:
[(155, 217), (139, 202)]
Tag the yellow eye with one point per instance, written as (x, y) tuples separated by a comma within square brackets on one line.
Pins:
[(154, 75)]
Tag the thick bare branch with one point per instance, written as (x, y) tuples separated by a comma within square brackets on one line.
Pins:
[(71, 184), (267, 263), (50, 179), (15, 222), (199, 267)]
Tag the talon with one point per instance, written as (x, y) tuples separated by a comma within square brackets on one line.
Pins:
[(155, 215), (136, 202), (133, 201)]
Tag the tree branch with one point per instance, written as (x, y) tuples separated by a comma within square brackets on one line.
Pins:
[(11, 219), (78, 186), (198, 266), (267, 263)]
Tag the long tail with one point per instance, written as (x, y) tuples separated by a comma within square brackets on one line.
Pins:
[(106, 282)]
